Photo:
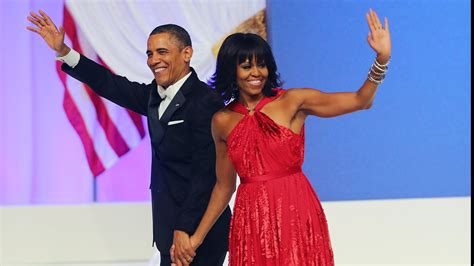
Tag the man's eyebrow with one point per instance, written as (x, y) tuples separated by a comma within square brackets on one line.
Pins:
[(159, 50)]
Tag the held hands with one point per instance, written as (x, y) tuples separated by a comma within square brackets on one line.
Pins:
[(183, 249), (379, 37), (45, 27)]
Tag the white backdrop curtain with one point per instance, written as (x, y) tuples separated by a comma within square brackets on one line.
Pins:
[(118, 30)]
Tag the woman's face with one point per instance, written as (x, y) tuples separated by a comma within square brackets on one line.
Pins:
[(251, 77)]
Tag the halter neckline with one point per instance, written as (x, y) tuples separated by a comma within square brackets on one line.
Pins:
[(240, 108)]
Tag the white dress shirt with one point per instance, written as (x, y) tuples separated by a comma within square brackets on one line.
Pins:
[(168, 94), (72, 59)]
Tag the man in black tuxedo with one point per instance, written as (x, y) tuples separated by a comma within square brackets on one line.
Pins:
[(179, 108)]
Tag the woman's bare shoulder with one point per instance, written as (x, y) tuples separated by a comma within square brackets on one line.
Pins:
[(222, 117)]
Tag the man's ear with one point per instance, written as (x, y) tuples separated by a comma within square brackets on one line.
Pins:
[(187, 53)]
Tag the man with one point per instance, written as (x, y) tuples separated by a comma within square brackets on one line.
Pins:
[(179, 108)]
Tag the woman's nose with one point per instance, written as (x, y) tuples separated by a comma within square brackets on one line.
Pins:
[(254, 71)]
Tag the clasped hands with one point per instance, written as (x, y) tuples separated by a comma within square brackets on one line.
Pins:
[(183, 250)]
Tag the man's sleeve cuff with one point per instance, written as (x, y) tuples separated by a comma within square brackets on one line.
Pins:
[(187, 227), (71, 59)]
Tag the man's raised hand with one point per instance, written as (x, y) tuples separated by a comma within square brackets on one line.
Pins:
[(46, 28)]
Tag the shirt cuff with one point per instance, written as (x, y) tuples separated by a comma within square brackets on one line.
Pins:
[(71, 59)]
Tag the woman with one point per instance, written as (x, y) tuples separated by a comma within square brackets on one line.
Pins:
[(278, 219)]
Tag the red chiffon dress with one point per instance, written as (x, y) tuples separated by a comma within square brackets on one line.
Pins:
[(277, 217)]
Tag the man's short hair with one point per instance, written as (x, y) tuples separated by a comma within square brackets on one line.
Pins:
[(177, 31)]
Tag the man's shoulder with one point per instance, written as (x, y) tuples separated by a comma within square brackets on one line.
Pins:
[(205, 95)]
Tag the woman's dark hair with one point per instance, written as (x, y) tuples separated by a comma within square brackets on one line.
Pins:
[(236, 49)]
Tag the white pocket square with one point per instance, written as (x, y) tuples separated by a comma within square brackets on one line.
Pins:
[(175, 122)]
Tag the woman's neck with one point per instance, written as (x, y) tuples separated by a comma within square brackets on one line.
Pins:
[(250, 102)]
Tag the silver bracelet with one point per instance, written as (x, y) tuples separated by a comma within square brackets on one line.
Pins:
[(382, 65), (370, 78), (379, 68), (377, 72), (377, 77)]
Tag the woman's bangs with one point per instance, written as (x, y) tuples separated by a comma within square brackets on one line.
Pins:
[(251, 51)]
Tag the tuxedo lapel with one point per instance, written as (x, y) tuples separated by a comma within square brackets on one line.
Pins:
[(154, 125), (160, 125), (175, 104), (179, 99)]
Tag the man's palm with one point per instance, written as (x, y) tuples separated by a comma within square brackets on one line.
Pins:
[(45, 27)]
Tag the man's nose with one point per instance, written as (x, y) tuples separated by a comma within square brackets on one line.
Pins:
[(155, 59)]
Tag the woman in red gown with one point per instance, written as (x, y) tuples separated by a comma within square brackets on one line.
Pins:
[(277, 218)]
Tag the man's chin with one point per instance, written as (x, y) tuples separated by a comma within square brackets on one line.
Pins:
[(161, 82)]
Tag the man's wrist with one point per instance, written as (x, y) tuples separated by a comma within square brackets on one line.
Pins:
[(63, 51), (185, 228), (71, 58)]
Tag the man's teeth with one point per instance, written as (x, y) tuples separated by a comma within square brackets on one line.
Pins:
[(159, 69)]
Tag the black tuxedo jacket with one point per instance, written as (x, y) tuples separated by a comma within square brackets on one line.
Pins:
[(183, 154)]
